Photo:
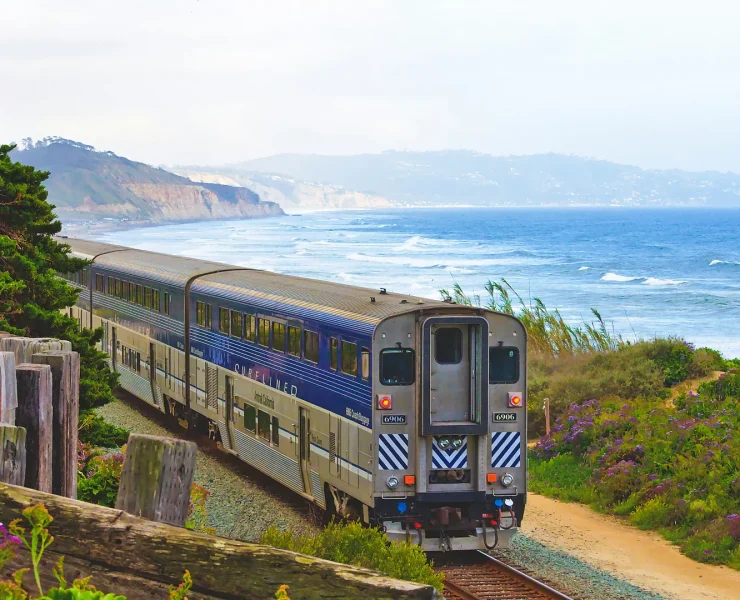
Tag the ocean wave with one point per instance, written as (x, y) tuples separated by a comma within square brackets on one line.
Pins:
[(619, 278), (583, 268), (462, 271), (723, 262), (656, 281), (443, 262)]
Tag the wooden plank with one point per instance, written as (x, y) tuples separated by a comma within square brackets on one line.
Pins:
[(24, 347), (8, 395), (12, 454), (156, 478), (222, 568), (35, 414), (65, 373)]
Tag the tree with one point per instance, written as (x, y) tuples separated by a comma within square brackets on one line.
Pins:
[(32, 295)]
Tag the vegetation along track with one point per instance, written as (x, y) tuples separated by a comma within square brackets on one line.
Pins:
[(478, 576)]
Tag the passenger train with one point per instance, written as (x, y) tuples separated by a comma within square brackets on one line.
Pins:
[(404, 412)]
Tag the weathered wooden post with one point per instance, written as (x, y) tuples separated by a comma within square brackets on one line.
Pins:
[(24, 347), (8, 396), (34, 413), (156, 478), (65, 399), (12, 454), (547, 416)]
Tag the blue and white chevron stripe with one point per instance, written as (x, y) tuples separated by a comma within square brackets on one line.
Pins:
[(506, 449), (393, 451), (449, 459)]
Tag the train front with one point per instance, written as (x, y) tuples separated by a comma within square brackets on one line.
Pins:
[(449, 426)]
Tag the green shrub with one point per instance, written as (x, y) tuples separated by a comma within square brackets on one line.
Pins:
[(655, 513), (564, 477), (361, 546), (95, 430)]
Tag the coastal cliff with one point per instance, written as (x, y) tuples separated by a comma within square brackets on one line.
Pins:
[(86, 185)]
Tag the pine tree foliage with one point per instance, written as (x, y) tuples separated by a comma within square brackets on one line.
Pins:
[(32, 296)]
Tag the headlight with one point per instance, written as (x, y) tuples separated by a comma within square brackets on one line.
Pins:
[(444, 443), (392, 482), (507, 479), (457, 443)]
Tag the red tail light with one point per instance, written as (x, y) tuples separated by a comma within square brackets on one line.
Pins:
[(385, 402)]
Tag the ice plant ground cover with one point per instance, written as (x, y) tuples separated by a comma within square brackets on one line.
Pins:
[(673, 467)]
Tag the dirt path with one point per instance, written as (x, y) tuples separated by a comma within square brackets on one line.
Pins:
[(641, 557)]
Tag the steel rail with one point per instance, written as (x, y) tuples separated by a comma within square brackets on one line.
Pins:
[(531, 581)]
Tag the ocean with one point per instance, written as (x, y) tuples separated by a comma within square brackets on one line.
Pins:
[(648, 272)]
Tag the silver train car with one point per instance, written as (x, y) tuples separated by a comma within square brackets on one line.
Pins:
[(404, 412)]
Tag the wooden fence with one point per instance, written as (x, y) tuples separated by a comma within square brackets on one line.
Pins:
[(139, 548)]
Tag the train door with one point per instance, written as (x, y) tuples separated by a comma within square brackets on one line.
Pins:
[(230, 413), (114, 348), (450, 374), (304, 448)]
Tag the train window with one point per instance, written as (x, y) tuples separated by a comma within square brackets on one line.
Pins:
[(333, 354), (99, 283), (294, 341), (132, 292), (278, 337), (250, 418), (263, 425), (275, 431), (110, 286), (448, 345), (263, 332), (397, 366), (117, 287), (311, 346), (167, 300), (236, 324), (503, 365), (139, 295), (155, 300), (148, 297), (223, 320), (203, 314), (249, 327), (365, 363), (349, 358)]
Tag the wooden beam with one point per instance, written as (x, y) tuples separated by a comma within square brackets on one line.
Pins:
[(8, 396), (221, 568), (156, 478), (12, 454), (35, 414), (65, 373)]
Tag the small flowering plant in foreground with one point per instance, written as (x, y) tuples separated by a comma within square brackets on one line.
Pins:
[(36, 541)]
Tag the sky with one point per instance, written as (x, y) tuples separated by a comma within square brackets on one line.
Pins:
[(655, 83)]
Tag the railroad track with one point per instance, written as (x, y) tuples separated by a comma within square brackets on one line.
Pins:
[(479, 576)]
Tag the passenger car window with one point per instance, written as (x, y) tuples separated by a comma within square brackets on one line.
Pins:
[(250, 418), (223, 320), (275, 431), (397, 366), (294, 341), (503, 365), (448, 345), (236, 324), (365, 363), (278, 337), (349, 358), (263, 425), (333, 354), (311, 346), (249, 329), (263, 332)]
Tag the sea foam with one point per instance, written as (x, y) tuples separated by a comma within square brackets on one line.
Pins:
[(620, 278)]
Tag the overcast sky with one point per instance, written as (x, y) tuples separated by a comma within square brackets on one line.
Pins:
[(651, 82)]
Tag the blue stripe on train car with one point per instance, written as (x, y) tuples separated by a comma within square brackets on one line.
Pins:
[(393, 451), (506, 449)]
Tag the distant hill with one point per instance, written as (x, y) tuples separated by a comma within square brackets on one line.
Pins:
[(465, 177), (86, 184)]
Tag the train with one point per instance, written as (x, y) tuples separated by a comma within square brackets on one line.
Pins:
[(405, 413)]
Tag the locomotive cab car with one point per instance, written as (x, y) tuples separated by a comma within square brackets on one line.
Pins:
[(406, 413)]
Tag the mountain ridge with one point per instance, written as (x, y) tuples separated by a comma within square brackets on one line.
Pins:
[(85, 183), (468, 177)]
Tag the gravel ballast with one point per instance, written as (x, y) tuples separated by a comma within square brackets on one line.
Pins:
[(239, 507)]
